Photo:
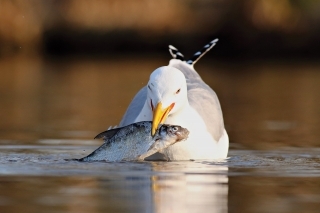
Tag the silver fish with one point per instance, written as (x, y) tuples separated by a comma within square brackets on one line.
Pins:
[(134, 142)]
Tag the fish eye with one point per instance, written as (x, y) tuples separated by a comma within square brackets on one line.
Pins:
[(175, 128), (178, 91)]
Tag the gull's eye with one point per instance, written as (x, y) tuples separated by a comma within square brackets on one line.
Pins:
[(178, 91)]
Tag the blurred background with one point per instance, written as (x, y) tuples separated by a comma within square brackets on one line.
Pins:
[(69, 68)]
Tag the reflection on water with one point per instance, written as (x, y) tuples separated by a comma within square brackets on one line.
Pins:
[(190, 192), (51, 110), (37, 178), (68, 186)]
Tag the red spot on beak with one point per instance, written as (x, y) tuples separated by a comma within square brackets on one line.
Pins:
[(166, 113)]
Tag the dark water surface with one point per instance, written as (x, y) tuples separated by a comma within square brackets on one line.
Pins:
[(51, 110)]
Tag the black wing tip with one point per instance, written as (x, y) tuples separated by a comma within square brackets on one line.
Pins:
[(202, 52), (175, 53), (172, 47)]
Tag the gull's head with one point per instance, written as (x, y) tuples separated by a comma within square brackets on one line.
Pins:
[(167, 94)]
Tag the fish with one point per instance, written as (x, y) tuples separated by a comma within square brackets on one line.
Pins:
[(135, 142)]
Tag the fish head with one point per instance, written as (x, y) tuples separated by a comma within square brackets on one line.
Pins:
[(173, 132)]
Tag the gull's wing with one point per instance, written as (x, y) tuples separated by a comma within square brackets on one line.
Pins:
[(202, 98), (134, 108)]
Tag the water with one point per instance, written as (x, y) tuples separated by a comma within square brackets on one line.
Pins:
[(51, 110)]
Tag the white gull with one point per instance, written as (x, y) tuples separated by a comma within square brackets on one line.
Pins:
[(176, 94)]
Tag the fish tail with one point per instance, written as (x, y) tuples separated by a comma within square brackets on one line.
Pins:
[(87, 158), (76, 159), (82, 159), (176, 54), (202, 52)]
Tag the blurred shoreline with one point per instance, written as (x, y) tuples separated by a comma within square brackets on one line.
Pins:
[(247, 29), (63, 43)]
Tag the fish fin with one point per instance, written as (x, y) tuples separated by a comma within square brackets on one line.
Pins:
[(152, 149), (152, 146), (202, 52), (107, 134), (142, 156), (175, 53)]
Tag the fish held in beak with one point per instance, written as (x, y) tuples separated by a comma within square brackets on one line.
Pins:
[(160, 114)]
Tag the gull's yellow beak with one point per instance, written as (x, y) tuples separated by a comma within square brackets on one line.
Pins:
[(159, 116)]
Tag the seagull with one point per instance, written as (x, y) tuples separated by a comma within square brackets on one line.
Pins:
[(176, 94)]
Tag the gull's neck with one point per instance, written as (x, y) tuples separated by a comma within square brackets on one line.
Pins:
[(145, 114)]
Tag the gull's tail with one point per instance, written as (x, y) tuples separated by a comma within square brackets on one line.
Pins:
[(202, 52), (175, 53)]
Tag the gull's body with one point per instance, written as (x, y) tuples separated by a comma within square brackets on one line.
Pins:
[(187, 101)]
